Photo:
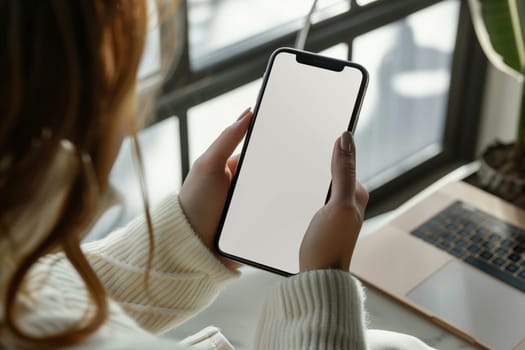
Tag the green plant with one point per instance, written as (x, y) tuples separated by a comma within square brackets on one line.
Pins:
[(500, 28)]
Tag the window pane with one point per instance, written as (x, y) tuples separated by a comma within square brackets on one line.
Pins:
[(207, 120), (364, 2), (215, 24), (339, 51), (162, 148), (404, 110)]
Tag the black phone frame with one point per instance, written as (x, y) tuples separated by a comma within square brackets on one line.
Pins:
[(302, 57)]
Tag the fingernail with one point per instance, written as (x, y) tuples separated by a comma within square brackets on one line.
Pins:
[(347, 142), (243, 114)]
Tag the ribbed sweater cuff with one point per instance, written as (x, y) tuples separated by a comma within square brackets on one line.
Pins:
[(319, 309), (177, 247)]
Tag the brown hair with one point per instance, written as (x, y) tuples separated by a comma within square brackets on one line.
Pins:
[(65, 68)]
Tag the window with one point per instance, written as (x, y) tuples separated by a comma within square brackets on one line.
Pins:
[(426, 70), (404, 112), (223, 27)]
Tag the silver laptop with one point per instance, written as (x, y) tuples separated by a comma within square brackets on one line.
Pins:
[(458, 257)]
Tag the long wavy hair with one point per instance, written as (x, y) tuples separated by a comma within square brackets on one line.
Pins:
[(65, 69)]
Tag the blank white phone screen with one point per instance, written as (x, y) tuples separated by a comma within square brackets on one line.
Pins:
[(285, 175)]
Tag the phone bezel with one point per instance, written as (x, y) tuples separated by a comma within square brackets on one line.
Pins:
[(302, 57)]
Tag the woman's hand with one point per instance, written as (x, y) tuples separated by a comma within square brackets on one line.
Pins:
[(204, 191), (331, 237)]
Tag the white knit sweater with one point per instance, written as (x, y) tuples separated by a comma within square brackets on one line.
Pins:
[(314, 310)]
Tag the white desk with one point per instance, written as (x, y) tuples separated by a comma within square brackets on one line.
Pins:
[(237, 309)]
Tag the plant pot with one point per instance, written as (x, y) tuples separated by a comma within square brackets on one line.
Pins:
[(497, 177)]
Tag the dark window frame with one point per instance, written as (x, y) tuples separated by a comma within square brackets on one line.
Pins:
[(246, 61)]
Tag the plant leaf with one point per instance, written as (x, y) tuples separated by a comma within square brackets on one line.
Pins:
[(494, 29), (516, 8), (500, 28), (497, 18)]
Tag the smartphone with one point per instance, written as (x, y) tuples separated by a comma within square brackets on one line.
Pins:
[(283, 176)]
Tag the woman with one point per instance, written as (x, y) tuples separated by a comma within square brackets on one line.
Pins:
[(66, 103)]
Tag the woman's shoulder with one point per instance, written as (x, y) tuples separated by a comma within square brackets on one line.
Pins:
[(55, 298)]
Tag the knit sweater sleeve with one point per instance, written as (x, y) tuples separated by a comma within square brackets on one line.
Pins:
[(184, 277), (320, 309)]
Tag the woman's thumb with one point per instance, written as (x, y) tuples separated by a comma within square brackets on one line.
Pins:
[(343, 170)]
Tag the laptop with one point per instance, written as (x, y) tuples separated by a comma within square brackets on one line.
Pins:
[(456, 256)]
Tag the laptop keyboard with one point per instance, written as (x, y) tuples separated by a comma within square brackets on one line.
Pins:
[(479, 239)]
